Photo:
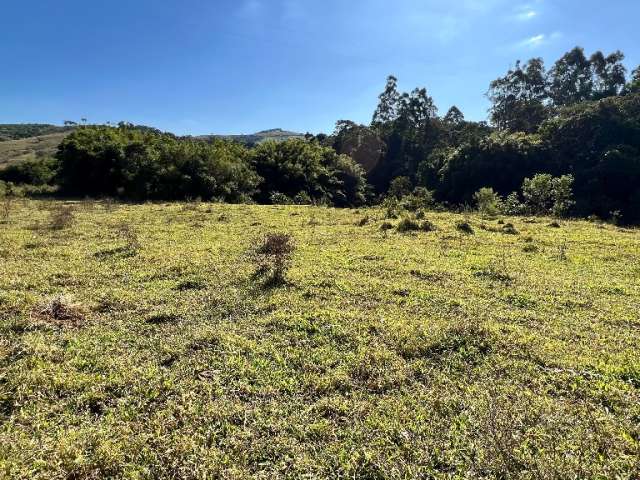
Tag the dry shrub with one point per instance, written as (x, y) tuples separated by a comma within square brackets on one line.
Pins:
[(272, 258), (5, 211), (61, 218), (59, 311), (464, 227), (130, 237)]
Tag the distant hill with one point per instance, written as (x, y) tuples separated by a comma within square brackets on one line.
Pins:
[(17, 144), (259, 137), (18, 131), (12, 151)]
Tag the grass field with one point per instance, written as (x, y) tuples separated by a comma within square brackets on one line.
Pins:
[(438, 354), (13, 151)]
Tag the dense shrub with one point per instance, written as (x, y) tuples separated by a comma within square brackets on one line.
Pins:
[(37, 172), (139, 164), (298, 168), (546, 194)]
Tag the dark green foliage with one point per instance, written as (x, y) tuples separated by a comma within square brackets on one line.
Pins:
[(599, 143), (297, 167), (137, 164), (501, 161), (41, 171)]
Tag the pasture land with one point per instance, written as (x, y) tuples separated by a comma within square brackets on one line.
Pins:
[(134, 343)]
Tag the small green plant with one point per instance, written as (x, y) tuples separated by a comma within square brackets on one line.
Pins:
[(386, 226), (272, 258), (278, 198), (487, 201), (562, 251), (302, 198), (5, 213), (392, 207)]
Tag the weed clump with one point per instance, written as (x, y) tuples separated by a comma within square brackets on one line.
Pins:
[(428, 226), (363, 221), (130, 238), (509, 229), (60, 312), (61, 218), (464, 227), (408, 225), (386, 226), (272, 258)]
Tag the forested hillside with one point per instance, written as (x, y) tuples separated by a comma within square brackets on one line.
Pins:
[(562, 140)]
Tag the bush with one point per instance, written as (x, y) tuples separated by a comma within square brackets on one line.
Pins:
[(545, 194), (512, 205), (464, 227), (302, 198), (487, 201), (36, 172), (392, 207), (399, 187), (272, 258), (277, 198), (296, 166), (408, 225), (421, 198)]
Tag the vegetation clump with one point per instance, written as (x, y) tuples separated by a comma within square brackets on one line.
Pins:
[(61, 218), (272, 258), (59, 311), (464, 227)]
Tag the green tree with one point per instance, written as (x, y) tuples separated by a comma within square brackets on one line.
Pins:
[(609, 74), (519, 98), (570, 79)]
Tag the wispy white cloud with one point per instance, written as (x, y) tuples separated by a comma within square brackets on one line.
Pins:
[(525, 14), (538, 40)]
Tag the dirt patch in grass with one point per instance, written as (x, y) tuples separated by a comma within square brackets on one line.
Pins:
[(60, 312)]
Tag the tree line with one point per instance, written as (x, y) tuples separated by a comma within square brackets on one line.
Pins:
[(575, 124)]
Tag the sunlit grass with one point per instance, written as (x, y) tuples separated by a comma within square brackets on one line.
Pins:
[(451, 352)]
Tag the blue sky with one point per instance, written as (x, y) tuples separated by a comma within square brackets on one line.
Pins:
[(196, 66)]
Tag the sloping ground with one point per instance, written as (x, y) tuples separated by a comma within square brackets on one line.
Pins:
[(17, 131), (12, 151), (259, 137), (508, 352)]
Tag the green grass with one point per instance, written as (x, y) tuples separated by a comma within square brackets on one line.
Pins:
[(439, 354)]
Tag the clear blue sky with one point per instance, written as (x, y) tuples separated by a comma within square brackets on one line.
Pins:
[(203, 66)]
